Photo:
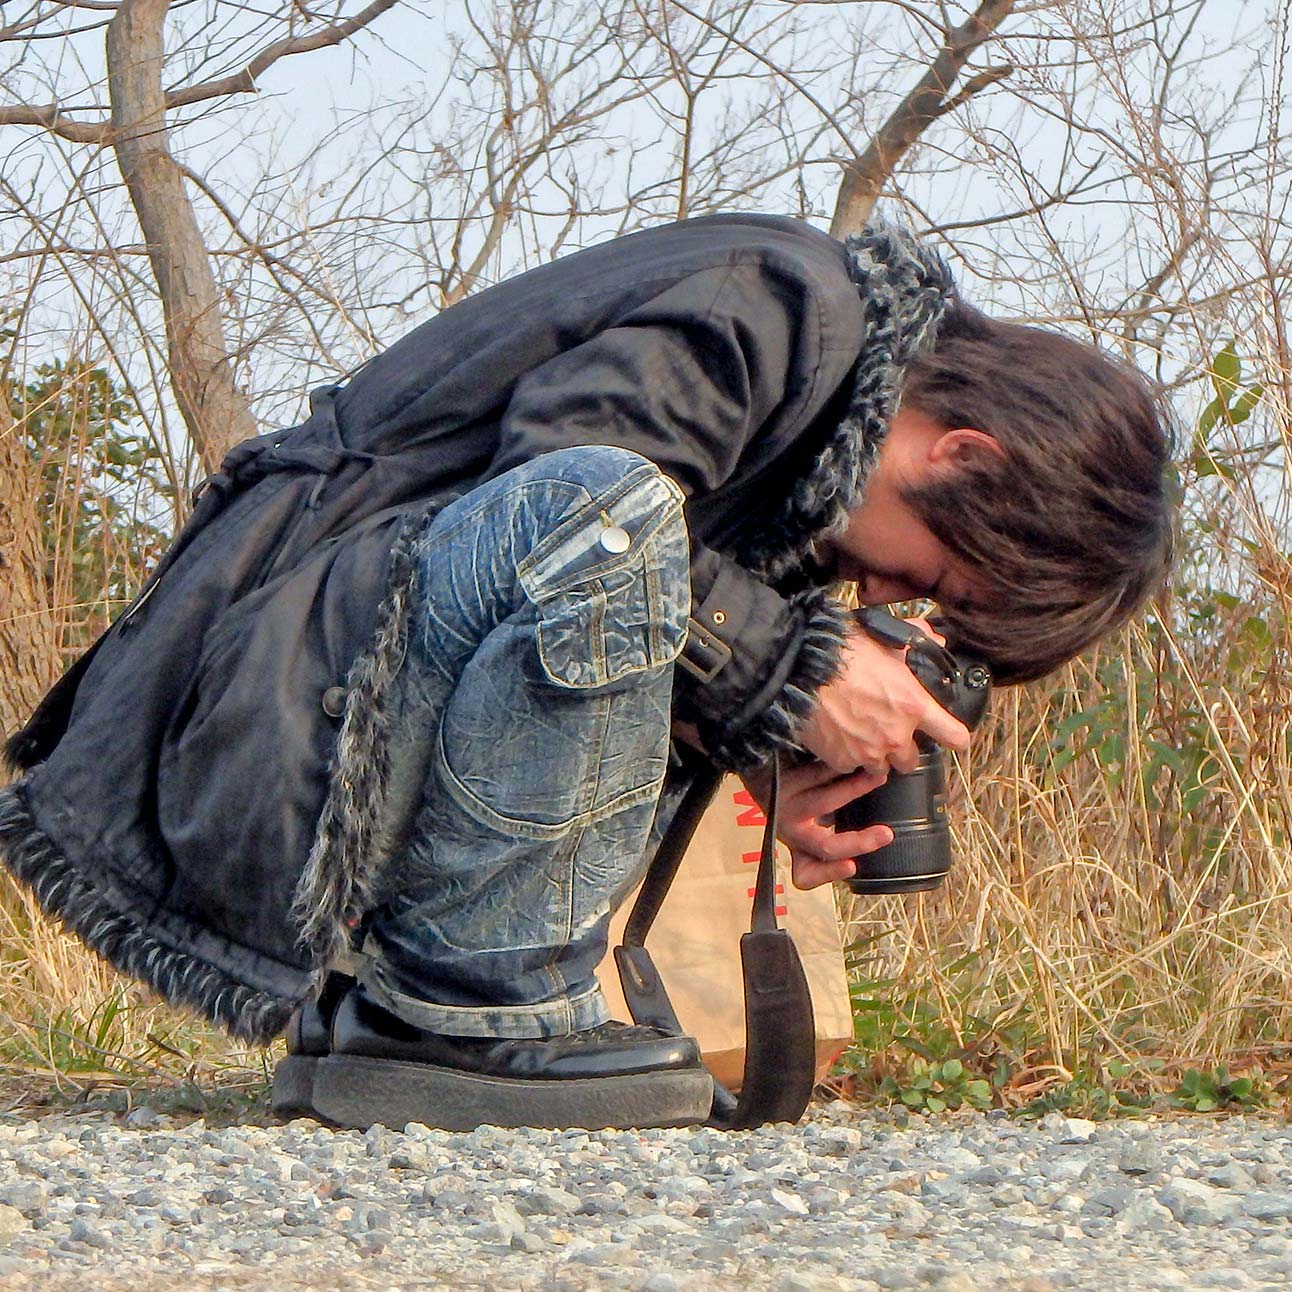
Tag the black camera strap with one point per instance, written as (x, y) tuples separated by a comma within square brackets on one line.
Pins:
[(780, 1031)]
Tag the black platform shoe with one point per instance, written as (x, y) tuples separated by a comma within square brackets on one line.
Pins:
[(309, 1033), (616, 1075)]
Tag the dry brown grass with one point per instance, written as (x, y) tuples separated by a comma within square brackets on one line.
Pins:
[(1095, 912)]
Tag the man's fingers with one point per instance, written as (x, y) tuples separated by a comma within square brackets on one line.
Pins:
[(859, 842), (944, 727), (838, 791), (810, 872), (826, 844), (797, 780)]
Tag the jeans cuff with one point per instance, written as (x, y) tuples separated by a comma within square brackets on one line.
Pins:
[(512, 1022)]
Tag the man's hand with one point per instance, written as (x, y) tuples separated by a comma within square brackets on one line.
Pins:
[(819, 854), (867, 717)]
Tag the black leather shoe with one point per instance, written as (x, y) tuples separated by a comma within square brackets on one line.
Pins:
[(362, 1027), (308, 1033), (381, 1069)]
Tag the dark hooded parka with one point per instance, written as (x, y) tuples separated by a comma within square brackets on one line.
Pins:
[(204, 793)]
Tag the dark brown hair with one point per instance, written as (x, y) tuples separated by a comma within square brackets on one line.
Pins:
[(1072, 531)]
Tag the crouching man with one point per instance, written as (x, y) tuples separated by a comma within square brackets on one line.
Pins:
[(425, 676)]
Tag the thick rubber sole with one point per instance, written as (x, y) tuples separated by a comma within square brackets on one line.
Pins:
[(292, 1092), (352, 1091)]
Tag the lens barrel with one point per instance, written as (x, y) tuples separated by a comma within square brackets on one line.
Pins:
[(914, 805)]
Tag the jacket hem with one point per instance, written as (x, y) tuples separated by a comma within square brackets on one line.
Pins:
[(125, 941)]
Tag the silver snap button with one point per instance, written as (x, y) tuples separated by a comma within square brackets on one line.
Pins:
[(719, 617), (334, 701), (615, 540)]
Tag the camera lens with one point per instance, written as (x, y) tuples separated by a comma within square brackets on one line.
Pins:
[(915, 807)]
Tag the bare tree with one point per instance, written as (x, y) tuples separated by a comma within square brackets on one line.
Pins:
[(866, 178), (134, 126)]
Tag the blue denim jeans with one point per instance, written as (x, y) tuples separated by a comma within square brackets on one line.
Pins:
[(535, 699)]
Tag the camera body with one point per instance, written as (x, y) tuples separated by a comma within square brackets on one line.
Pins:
[(913, 803)]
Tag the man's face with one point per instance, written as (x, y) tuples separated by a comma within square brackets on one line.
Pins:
[(889, 552)]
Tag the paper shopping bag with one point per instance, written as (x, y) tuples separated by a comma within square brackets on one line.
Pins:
[(695, 941)]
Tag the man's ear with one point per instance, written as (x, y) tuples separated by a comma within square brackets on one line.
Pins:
[(964, 447)]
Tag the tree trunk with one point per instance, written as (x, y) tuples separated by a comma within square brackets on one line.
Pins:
[(216, 412), (29, 629)]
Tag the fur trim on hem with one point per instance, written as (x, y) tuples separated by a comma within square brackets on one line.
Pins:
[(338, 881), (125, 941), (776, 728)]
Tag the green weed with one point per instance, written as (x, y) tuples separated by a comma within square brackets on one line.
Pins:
[(1205, 1090)]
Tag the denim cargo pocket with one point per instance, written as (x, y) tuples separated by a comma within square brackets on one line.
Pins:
[(603, 615)]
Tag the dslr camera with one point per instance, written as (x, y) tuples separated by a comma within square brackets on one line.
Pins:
[(914, 803)]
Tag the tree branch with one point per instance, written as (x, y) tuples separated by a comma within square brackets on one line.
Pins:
[(241, 82), (244, 81), (48, 116), (864, 179)]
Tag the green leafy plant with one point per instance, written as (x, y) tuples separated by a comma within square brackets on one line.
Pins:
[(935, 1087), (1206, 1091), (1232, 405)]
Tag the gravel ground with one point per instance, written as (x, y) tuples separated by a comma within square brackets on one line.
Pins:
[(848, 1200)]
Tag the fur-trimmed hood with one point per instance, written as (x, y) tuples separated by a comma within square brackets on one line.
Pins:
[(904, 289)]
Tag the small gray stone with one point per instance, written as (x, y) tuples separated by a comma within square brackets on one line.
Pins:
[(1224, 1277), (1268, 1206), (1068, 1130), (790, 1202), (1232, 1176), (659, 1282), (83, 1232), (508, 1219), (1194, 1203), (31, 1197), (1068, 1168), (1109, 1201), (12, 1222), (1144, 1212), (604, 1254), (548, 1201), (799, 1281), (839, 1141), (143, 1117), (447, 1199), (1140, 1157)]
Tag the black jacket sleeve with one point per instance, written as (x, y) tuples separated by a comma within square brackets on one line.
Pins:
[(688, 380)]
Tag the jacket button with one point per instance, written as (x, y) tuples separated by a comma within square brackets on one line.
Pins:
[(334, 701)]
